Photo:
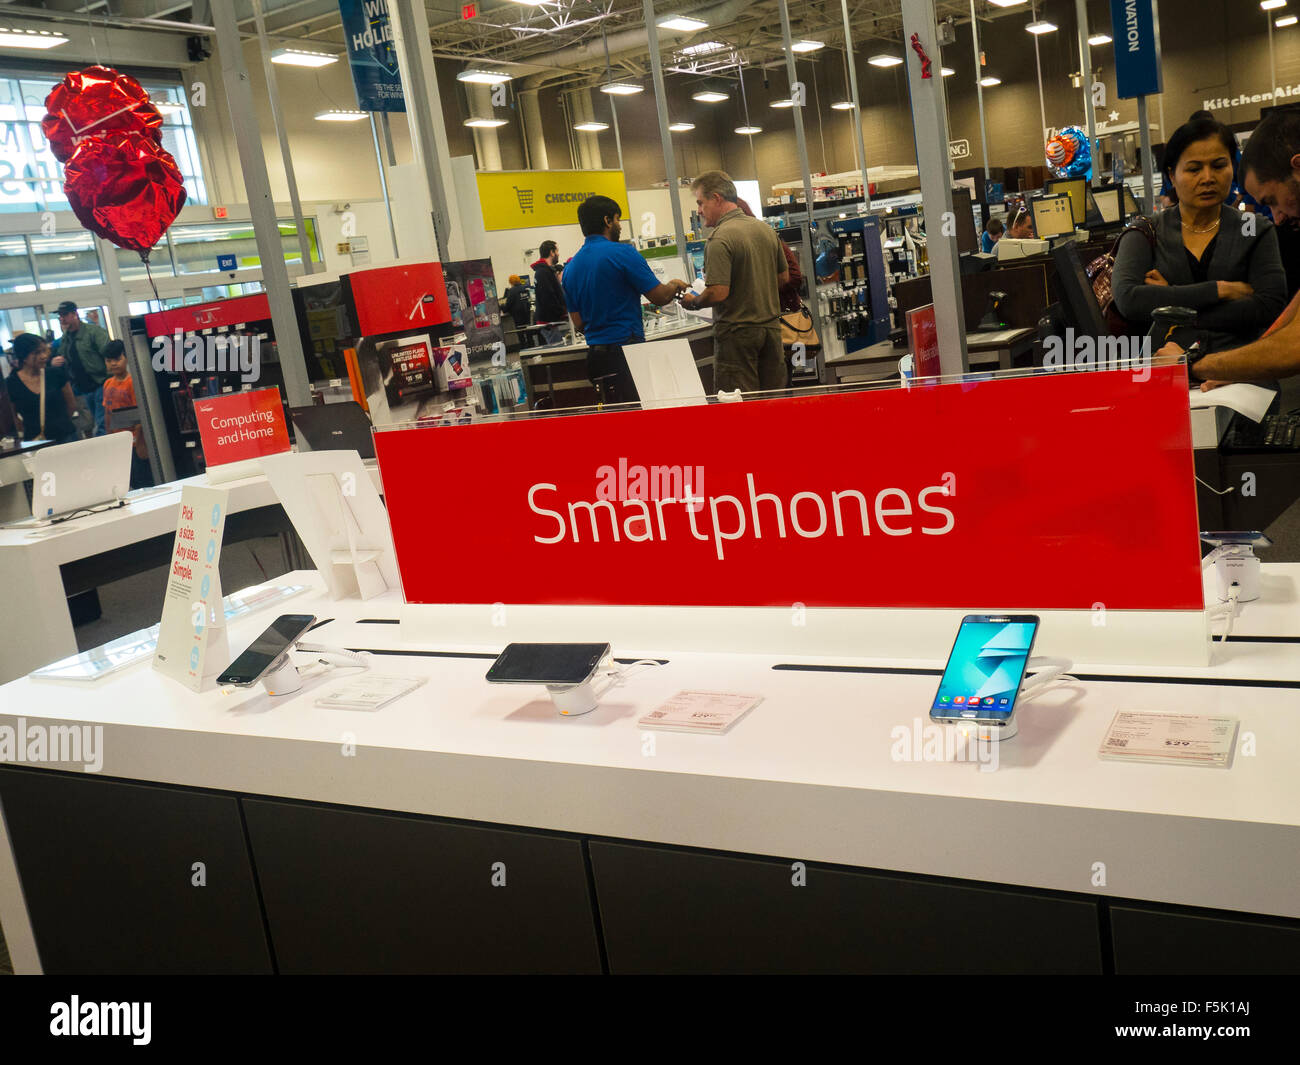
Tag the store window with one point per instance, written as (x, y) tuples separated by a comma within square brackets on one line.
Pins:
[(17, 320), (15, 266), (66, 262), (31, 179), (198, 246)]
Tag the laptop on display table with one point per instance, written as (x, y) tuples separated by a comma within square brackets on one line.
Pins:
[(334, 427), (83, 476)]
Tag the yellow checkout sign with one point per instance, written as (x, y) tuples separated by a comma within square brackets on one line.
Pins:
[(523, 199)]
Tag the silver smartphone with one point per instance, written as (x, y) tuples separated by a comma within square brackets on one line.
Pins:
[(547, 663), (262, 653)]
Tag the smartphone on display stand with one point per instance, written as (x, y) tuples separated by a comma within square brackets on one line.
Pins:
[(982, 679), (265, 651), (547, 663), (1236, 539)]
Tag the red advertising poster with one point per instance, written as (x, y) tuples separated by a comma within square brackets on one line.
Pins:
[(392, 298), (198, 316), (241, 425), (1057, 491), (923, 341)]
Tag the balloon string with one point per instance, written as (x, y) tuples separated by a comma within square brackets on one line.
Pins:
[(149, 275)]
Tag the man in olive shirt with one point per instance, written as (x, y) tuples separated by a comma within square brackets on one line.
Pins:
[(744, 266), (82, 348)]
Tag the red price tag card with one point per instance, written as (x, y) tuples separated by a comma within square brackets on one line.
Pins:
[(242, 425)]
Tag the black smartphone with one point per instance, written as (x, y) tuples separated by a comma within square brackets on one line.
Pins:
[(261, 654), (1236, 539), (547, 663), (982, 679)]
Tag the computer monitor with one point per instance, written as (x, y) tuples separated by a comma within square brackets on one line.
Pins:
[(968, 238), (1053, 216), (1130, 204), (1083, 310), (1109, 203), (334, 427), (1077, 190)]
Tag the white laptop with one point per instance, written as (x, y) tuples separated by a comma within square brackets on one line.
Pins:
[(82, 475)]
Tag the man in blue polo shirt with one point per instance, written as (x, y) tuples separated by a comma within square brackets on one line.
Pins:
[(603, 286)]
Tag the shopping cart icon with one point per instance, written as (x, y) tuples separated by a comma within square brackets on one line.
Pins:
[(525, 198)]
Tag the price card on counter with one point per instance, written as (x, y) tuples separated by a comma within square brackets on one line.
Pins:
[(1181, 739), (192, 643), (700, 711)]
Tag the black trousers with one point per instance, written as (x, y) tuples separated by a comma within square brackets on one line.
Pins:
[(607, 368)]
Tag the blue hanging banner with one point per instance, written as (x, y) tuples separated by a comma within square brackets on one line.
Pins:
[(372, 55), (1136, 32)]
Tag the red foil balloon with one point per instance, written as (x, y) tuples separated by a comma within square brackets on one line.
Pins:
[(90, 102), (125, 187)]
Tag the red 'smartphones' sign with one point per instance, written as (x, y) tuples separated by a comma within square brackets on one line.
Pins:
[(1058, 491), (241, 425)]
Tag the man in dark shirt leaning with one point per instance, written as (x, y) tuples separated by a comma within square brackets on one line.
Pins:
[(604, 283), (744, 268), (549, 306)]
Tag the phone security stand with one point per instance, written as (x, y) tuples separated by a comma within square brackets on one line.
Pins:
[(283, 677), (571, 700), (1235, 565), (1046, 670)]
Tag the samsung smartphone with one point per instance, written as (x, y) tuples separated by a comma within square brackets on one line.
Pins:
[(547, 663), (261, 654), (981, 681), (1234, 539)]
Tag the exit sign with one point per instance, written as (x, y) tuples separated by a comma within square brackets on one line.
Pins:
[(468, 10), (220, 212)]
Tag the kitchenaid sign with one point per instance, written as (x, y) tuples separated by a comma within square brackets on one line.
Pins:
[(1245, 99)]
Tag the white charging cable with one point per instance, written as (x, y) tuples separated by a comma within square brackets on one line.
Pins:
[(1048, 672), (350, 659)]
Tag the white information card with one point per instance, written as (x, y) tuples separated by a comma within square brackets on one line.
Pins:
[(700, 711), (1183, 739), (192, 643)]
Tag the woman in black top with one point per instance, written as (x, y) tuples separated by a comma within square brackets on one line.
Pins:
[(1219, 262), (29, 357)]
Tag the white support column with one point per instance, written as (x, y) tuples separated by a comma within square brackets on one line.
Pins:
[(533, 133), (487, 148), (429, 149), (930, 127), (588, 143)]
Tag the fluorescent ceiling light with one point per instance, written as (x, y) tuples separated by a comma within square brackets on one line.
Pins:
[(335, 114), (947, 72), (1269, 5), (1285, 20), (1041, 26), (885, 61), (533, 3), (988, 81), (484, 123), (1006, 3), (591, 127), (1099, 38), (682, 23), (483, 77), (807, 46), (842, 105), (710, 96), (749, 131), (681, 127), (622, 88), (168, 107), (703, 48), (40, 39), (781, 103), (302, 57)]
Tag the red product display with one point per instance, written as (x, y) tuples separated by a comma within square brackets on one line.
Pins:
[(1058, 491), (197, 316), (390, 299), (242, 425)]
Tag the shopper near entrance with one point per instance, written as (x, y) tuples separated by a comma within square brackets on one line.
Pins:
[(41, 394), (1209, 257), (992, 234), (744, 269), (82, 349), (119, 394), (550, 307), (1270, 168), (604, 283)]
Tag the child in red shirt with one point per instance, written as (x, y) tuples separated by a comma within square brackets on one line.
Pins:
[(119, 392)]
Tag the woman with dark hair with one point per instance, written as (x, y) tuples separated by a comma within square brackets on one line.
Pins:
[(1208, 257), (41, 395)]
